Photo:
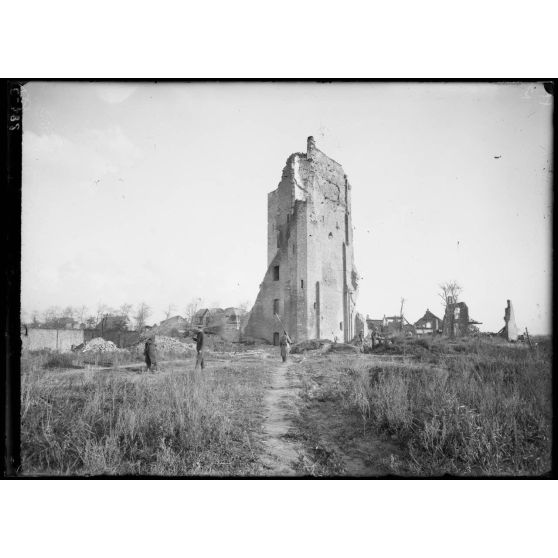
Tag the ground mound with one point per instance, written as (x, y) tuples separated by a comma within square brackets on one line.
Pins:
[(99, 345), (310, 345), (342, 348), (169, 345)]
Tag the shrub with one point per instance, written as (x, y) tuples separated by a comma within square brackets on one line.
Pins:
[(177, 424), (61, 360)]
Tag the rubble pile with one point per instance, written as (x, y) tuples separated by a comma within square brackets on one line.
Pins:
[(342, 348), (99, 345), (310, 345), (164, 343)]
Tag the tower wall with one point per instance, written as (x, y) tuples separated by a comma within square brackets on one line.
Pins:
[(309, 231)]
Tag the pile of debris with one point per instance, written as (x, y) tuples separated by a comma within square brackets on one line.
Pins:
[(99, 345), (164, 343), (310, 345), (342, 348)]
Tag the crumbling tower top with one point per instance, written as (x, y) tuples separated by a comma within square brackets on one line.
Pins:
[(310, 145)]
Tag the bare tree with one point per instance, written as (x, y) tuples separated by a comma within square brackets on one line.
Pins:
[(191, 308), (35, 317), (450, 289), (68, 312), (142, 313), (170, 309), (101, 311), (125, 310), (23, 316), (80, 313), (245, 305), (51, 316)]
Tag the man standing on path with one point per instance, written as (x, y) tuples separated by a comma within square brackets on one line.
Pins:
[(200, 348), (285, 344), (150, 354)]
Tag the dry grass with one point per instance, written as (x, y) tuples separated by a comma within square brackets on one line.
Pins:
[(469, 407), (175, 422), (464, 408)]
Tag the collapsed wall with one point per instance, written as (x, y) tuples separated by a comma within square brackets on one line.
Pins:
[(227, 323), (510, 331), (311, 282)]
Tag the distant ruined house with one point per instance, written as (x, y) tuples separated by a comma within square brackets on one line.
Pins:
[(428, 324), (456, 319), (113, 323), (390, 325), (227, 324), (311, 282), (175, 326), (374, 325)]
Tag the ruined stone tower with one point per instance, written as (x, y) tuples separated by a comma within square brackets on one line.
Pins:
[(311, 281)]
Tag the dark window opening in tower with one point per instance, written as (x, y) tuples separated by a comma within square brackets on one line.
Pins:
[(278, 240), (347, 228), (341, 326), (276, 306), (302, 283), (276, 273)]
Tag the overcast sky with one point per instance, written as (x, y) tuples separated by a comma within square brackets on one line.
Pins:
[(158, 192)]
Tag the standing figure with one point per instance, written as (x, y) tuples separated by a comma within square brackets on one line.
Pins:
[(285, 344), (150, 353), (374, 336), (200, 348)]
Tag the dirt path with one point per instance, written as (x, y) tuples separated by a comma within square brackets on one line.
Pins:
[(282, 451)]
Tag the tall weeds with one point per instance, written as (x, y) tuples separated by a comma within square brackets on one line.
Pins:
[(484, 411), (179, 423)]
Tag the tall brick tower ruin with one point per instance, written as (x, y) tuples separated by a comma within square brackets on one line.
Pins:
[(311, 280)]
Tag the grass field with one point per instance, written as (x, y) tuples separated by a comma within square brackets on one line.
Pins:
[(123, 422), (461, 408), (418, 407)]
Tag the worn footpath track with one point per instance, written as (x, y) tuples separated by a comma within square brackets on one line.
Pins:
[(282, 451)]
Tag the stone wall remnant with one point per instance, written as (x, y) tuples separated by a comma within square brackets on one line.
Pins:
[(510, 332), (456, 321), (62, 340)]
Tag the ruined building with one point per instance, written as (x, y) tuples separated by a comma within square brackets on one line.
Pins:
[(428, 324), (509, 331), (227, 323), (456, 321), (311, 281)]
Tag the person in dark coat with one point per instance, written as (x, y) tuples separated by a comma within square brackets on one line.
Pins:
[(200, 348), (285, 344), (150, 353)]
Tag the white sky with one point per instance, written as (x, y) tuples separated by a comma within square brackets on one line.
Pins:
[(158, 192)]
